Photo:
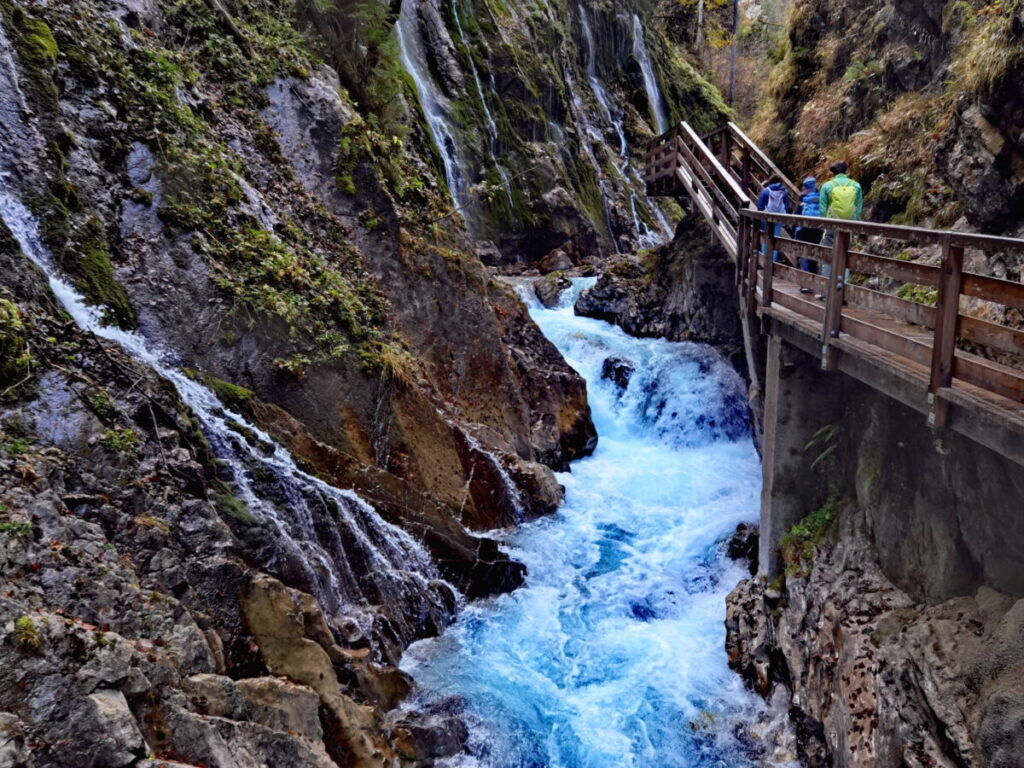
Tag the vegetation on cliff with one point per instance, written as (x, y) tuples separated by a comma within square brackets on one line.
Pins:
[(898, 91)]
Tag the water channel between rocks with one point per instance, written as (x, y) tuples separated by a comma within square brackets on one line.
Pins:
[(612, 655)]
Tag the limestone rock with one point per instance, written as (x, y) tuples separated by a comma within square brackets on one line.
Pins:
[(122, 743), (683, 292), (215, 695), (13, 752), (282, 706), (556, 261)]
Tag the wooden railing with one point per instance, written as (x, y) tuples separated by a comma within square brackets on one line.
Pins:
[(924, 334), (680, 161), (924, 346)]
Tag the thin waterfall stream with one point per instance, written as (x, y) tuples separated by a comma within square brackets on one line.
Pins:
[(612, 654)]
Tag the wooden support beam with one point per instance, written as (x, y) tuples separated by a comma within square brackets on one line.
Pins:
[(755, 256), (834, 297), (944, 348)]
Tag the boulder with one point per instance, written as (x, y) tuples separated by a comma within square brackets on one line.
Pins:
[(430, 736), (282, 706), (549, 289), (556, 261), (122, 743), (215, 695)]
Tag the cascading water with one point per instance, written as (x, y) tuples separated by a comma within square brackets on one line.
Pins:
[(650, 81), (612, 654), (327, 536), (432, 102), (598, 87), (327, 540), (492, 125), (647, 236)]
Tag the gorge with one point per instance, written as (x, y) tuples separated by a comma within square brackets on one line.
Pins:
[(361, 405)]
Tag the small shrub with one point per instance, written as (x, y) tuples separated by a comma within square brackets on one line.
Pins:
[(15, 358), (798, 543), (25, 634), (16, 528), (918, 293), (121, 440)]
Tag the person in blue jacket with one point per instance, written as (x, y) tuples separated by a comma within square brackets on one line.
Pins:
[(774, 199), (809, 206)]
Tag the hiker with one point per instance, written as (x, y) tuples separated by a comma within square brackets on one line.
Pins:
[(841, 198), (809, 206), (773, 199)]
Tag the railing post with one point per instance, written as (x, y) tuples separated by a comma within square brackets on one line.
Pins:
[(769, 250), (834, 296), (755, 257), (947, 310), (745, 169), (742, 238)]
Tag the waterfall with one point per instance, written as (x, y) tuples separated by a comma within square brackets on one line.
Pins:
[(597, 86), (330, 535), (433, 104), (631, 178), (492, 126), (650, 81), (612, 654)]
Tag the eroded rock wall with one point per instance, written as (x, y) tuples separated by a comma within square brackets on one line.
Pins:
[(198, 173), (888, 606), (684, 291)]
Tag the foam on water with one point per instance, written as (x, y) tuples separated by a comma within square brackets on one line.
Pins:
[(612, 655)]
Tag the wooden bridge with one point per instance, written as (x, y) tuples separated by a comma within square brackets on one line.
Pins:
[(960, 360)]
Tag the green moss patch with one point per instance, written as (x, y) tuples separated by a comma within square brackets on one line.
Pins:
[(230, 394), (798, 544), (16, 361), (90, 262)]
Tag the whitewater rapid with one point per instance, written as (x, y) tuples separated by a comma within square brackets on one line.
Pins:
[(612, 654)]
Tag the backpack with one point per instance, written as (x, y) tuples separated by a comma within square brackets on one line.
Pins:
[(777, 199), (843, 204), (811, 204)]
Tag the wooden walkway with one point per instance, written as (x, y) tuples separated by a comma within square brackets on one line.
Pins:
[(939, 359)]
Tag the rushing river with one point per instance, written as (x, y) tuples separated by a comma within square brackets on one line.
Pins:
[(612, 654)]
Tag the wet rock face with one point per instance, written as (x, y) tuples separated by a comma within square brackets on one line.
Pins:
[(618, 370), (146, 609), (874, 677), (743, 545), (683, 292)]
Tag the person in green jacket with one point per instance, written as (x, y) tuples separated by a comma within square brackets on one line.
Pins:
[(841, 198)]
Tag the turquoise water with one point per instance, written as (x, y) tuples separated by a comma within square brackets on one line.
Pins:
[(611, 655)]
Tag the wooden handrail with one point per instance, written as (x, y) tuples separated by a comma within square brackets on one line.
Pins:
[(742, 199), (744, 141), (724, 169), (916, 235)]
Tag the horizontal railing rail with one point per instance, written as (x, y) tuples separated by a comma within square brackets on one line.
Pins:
[(952, 345)]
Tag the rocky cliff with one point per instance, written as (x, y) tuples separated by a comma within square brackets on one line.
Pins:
[(888, 609), (923, 99), (239, 274)]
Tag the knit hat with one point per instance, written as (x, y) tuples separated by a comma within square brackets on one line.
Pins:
[(811, 183)]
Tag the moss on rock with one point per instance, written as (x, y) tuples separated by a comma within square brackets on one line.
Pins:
[(90, 262), (15, 358)]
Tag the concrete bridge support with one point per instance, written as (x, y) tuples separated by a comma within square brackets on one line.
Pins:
[(944, 513)]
